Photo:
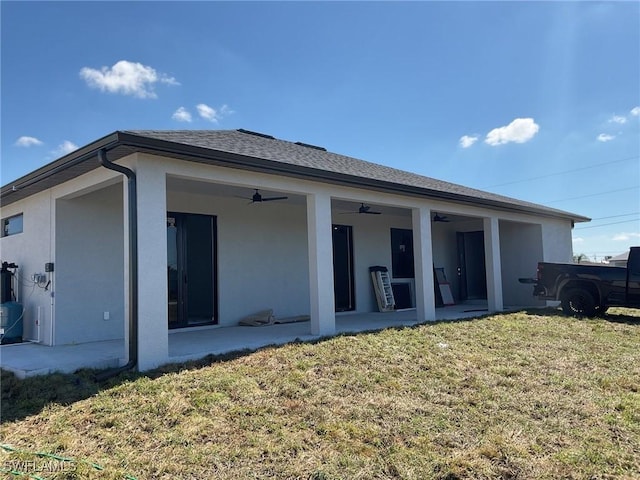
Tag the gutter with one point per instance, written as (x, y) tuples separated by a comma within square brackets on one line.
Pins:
[(70, 160), (133, 266)]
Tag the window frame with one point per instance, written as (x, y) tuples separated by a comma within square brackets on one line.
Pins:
[(6, 223)]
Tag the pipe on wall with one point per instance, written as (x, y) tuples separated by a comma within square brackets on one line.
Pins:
[(133, 265)]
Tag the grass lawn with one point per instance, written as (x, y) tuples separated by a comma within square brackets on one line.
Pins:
[(527, 395)]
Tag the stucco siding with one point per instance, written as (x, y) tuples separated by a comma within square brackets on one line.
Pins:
[(30, 250), (263, 260), (90, 267), (262, 254), (556, 240), (520, 252)]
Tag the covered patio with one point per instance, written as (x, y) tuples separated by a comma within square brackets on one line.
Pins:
[(172, 238), (31, 359)]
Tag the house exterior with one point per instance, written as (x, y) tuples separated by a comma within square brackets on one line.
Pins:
[(207, 255), (619, 260)]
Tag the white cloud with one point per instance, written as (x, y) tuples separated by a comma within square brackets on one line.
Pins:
[(521, 130), (181, 115), (26, 141), (635, 111), (467, 140), (625, 237), (211, 114), (64, 148), (578, 240), (619, 119), (127, 78), (206, 112), (605, 137)]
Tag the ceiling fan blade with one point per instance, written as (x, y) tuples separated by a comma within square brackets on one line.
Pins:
[(360, 212), (258, 198), (270, 199)]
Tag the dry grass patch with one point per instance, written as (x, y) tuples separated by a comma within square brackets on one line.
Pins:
[(506, 396)]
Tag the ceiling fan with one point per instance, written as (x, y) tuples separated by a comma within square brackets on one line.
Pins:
[(258, 198), (366, 209), (440, 218)]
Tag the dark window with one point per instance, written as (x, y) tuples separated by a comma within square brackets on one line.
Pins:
[(402, 253), (12, 225)]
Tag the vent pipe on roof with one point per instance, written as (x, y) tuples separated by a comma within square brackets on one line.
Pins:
[(257, 134), (308, 145), (133, 266)]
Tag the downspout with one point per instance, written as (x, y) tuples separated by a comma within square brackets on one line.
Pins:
[(133, 266)]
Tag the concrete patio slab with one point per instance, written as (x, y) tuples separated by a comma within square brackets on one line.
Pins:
[(30, 359)]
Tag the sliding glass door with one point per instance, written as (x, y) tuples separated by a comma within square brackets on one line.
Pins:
[(191, 269), (343, 279)]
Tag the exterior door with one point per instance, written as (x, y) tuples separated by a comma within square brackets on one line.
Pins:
[(343, 279), (472, 274), (191, 269)]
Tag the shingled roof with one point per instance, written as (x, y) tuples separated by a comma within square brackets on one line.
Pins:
[(255, 151)]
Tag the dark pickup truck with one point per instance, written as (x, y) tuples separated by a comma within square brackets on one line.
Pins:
[(588, 290)]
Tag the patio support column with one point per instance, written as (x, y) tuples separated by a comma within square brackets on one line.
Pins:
[(321, 288), (493, 264), (153, 333), (423, 260)]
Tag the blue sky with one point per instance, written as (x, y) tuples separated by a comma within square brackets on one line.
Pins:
[(537, 101)]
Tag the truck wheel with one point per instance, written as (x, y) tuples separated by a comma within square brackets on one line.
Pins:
[(579, 303)]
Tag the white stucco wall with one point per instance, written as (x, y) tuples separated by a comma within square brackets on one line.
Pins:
[(90, 267), (556, 240), (520, 251), (262, 254), (30, 250)]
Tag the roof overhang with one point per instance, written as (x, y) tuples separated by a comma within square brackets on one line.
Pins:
[(120, 144)]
